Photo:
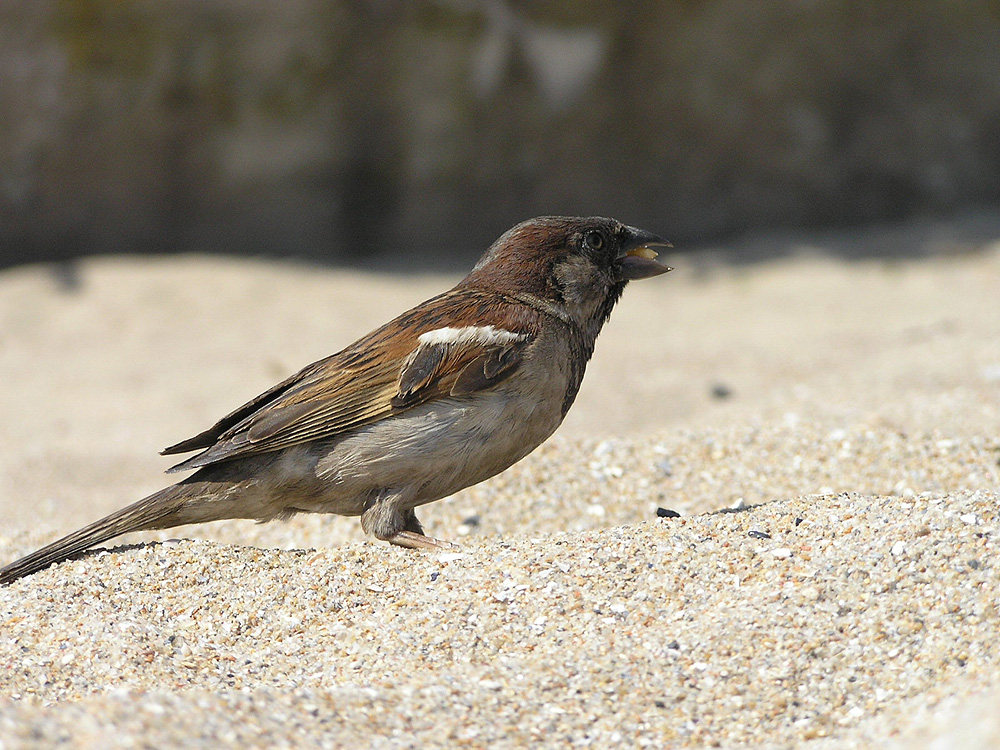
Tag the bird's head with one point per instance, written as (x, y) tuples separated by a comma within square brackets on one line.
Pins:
[(580, 265)]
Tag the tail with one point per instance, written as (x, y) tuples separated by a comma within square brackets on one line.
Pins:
[(161, 510)]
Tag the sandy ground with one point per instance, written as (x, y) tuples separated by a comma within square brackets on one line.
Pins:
[(844, 413)]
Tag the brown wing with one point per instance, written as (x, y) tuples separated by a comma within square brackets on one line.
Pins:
[(387, 372), (458, 368)]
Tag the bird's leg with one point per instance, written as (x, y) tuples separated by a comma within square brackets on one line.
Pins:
[(386, 521)]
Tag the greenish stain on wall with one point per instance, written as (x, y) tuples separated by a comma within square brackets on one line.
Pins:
[(111, 36)]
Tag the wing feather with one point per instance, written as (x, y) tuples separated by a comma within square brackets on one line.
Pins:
[(414, 359)]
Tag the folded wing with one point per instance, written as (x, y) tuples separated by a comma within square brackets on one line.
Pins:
[(408, 362)]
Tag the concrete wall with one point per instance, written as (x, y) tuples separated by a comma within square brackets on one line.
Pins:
[(344, 128)]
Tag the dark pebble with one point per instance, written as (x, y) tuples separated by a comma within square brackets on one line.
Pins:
[(721, 391)]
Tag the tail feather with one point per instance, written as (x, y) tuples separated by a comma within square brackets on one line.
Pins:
[(158, 511)]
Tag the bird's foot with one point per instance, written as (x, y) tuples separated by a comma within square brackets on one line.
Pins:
[(413, 540)]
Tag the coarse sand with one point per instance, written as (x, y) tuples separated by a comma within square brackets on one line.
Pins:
[(770, 521)]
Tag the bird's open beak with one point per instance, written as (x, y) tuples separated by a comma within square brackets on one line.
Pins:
[(638, 259)]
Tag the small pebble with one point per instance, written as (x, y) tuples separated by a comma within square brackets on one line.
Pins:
[(721, 391)]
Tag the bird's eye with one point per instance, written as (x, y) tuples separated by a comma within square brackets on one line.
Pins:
[(594, 239)]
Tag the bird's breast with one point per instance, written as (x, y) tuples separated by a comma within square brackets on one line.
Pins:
[(440, 447)]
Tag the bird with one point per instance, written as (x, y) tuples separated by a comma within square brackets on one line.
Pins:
[(442, 397)]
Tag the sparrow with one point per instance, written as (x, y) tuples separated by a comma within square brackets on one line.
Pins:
[(442, 397)]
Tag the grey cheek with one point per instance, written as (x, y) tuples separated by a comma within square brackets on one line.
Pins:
[(583, 284)]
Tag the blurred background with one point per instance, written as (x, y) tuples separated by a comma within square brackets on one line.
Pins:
[(353, 130)]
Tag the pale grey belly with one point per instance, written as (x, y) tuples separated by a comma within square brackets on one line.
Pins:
[(430, 452)]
